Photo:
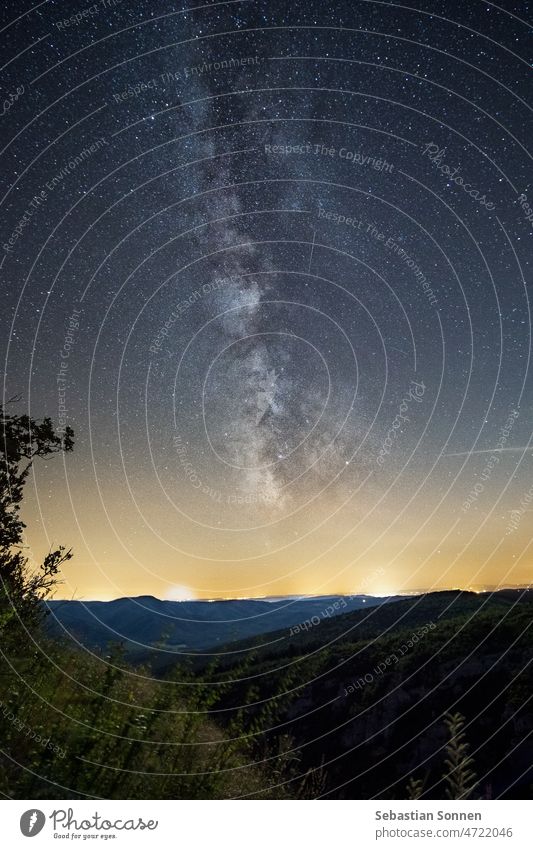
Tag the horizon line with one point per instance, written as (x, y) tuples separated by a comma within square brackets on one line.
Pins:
[(475, 588)]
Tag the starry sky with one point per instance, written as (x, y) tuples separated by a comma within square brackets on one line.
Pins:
[(272, 262)]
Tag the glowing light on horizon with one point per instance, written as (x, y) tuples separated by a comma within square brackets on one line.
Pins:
[(180, 592)]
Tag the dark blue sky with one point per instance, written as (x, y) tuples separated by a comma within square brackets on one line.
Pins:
[(235, 239)]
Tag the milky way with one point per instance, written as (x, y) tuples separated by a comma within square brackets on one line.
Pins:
[(269, 222)]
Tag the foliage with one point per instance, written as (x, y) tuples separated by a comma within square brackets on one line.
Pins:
[(22, 589), (317, 714), (461, 779), (376, 730), (76, 726), (415, 788)]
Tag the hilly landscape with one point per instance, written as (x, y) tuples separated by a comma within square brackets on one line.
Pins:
[(266, 424), (365, 698), (142, 623), (369, 703)]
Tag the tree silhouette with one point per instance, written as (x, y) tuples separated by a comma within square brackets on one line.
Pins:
[(22, 588)]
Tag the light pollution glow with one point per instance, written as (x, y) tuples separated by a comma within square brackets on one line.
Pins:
[(384, 550)]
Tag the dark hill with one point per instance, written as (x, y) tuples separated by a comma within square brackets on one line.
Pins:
[(188, 626), (363, 697)]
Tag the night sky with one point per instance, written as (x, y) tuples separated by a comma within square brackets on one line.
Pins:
[(272, 262)]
